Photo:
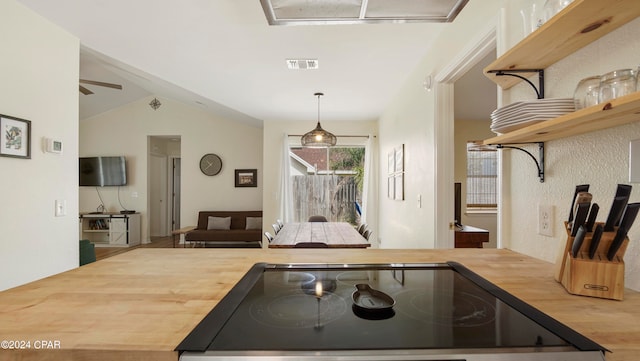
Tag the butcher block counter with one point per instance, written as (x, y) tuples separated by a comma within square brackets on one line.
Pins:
[(140, 304)]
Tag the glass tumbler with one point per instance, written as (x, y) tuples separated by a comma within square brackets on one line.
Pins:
[(616, 84), (552, 7), (587, 92)]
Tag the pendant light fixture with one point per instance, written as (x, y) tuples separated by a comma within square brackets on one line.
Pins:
[(318, 138)]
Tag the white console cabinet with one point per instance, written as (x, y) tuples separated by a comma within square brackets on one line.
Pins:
[(110, 229)]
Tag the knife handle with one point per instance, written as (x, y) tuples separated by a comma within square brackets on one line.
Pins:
[(615, 212), (593, 213), (629, 215), (581, 216), (579, 188), (616, 243), (595, 241)]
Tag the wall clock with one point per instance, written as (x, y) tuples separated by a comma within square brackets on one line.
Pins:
[(210, 164)]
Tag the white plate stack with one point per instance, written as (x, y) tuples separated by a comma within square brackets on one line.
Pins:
[(521, 114)]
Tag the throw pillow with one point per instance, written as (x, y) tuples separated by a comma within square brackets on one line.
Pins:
[(222, 223), (254, 223)]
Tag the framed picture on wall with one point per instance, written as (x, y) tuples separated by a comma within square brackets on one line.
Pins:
[(399, 161), (15, 137), (246, 177)]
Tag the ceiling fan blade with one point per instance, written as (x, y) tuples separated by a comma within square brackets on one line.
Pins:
[(85, 91), (99, 83)]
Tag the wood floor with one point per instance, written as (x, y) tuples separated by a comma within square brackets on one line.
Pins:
[(156, 242)]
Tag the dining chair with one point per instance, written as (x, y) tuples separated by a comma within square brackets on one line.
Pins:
[(310, 245), (276, 228), (269, 236), (280, 223), (362, 228), (317, 219), (367, 234)]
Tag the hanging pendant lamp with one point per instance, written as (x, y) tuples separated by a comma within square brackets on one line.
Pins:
[(318, 138)]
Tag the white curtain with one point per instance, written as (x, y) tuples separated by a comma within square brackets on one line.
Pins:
[(369, 188), (286, 194)]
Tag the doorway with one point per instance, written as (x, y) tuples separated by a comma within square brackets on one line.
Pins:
[(475, 97), (483, 44), (163, 186)]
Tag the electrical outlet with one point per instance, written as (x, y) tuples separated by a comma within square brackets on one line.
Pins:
[(545, 220)]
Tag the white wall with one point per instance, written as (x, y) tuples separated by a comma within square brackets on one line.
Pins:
[(39, 71), (599, 158), (467, 130), (124, 131), (274, 132), (410, 120)]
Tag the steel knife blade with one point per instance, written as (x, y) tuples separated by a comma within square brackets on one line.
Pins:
[(616, 243), (595, 241), (577, 242)]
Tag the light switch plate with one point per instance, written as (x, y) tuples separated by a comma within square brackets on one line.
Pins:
[(61, 208), (634, 161)]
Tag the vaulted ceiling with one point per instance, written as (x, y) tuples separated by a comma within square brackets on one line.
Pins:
[(223, 56)]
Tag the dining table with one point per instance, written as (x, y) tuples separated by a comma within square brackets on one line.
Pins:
[(333, 234)]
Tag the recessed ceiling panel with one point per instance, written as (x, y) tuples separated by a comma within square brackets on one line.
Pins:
[(315, 12)]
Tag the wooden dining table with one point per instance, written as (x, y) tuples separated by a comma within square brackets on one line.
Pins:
[(334, 234)]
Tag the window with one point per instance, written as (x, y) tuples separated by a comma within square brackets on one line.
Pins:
[(328, 182), (482, 176)]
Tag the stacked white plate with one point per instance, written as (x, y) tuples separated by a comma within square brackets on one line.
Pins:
[(521, 114)]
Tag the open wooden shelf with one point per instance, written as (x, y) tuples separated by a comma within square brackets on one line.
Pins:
[(577, 25), (616, 112)]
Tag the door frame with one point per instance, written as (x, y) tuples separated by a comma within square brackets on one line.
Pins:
[(480, 46)]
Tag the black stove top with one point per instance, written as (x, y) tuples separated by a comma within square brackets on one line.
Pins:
[(428, 306)]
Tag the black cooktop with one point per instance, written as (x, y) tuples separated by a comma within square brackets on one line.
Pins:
[(430, 306)]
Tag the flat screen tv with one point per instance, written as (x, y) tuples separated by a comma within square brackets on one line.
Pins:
[(103, 171)]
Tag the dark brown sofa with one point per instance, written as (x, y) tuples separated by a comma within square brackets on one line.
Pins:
[(236, 236)]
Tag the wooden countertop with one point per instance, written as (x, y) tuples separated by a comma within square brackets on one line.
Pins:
[(139, 305)]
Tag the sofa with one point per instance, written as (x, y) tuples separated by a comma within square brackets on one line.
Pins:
[(227, 229)]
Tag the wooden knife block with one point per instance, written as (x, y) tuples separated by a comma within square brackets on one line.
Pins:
[(597, 277)]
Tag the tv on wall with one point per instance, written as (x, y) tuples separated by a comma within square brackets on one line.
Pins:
[(103, 171)]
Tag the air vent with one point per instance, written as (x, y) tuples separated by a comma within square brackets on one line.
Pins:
[(302, 64), (326, 12)]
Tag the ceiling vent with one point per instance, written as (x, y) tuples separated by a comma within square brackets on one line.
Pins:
[(302, 64), (316, 12)]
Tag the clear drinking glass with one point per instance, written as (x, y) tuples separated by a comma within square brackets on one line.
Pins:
[(532, 18), (552, 7), (587, 92), (616, 84)]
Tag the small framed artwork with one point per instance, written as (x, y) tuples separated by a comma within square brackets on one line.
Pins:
[(391, 163), (399, 162), (246, 177), (15, 139), (399, 187), (391, 192)]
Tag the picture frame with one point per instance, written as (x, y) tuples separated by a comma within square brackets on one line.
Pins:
[(246, 177), (399, 161), (15, 137), (391, 168), (399, 187), (395, 173)]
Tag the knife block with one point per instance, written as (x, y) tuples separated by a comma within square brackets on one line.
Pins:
[(597, 277)]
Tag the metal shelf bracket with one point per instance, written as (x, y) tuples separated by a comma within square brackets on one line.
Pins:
[(539, 162), (539, 89)]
